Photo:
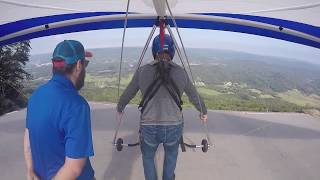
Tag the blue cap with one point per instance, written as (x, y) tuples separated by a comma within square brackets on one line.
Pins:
[(168, 45), (70, 51)]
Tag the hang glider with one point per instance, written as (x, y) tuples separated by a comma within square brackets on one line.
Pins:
[(296, 22)]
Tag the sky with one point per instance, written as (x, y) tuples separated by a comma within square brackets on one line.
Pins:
[(192, 38)]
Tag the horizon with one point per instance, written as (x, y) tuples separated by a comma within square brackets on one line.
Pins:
[(208, 49), (208, 39)]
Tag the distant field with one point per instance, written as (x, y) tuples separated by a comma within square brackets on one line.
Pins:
[(226, 80), (106, 81), (239, 98), (260, 94), (266, 96), (296, 97), (233, 96), (255, 91), (207, 91)]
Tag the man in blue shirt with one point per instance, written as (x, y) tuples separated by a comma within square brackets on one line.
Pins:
[(58, 139)]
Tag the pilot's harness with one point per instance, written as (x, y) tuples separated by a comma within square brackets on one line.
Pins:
[(162, 78)]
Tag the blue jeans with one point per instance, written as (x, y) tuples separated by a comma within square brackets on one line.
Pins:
[(151, 136)]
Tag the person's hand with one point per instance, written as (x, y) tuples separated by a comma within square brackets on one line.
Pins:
[(203, 117), (32, 176)]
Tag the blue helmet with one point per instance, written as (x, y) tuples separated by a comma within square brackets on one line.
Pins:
[(168, 46)]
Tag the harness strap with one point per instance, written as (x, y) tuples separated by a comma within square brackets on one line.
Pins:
[(148, 96), (153, 88), (148, 91), (174, 96), (176, 89)]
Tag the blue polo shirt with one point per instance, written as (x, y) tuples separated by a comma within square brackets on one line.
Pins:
[(59, 124)]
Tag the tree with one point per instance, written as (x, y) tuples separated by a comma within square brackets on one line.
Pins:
[(13, 58)]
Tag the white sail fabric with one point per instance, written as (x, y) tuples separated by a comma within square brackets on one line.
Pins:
[(304, 11)]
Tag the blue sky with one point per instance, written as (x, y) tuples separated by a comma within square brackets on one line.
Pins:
[(195, 38)]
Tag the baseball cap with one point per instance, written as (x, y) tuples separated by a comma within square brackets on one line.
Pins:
[(70, 51)]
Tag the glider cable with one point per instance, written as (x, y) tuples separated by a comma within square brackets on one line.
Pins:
[(119, 119), (146, 46), (184, 50), (121, 57), (120, 68), (192, 77), (177, 47)]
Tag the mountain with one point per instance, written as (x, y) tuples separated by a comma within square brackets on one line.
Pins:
[(213, 67)]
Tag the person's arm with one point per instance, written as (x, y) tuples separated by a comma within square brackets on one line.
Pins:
[(129, 93), (71, 169), (28, 156), (196, 99)]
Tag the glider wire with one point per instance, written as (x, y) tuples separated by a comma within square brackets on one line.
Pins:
[(120, 68), (187, 59), (146, 46), (121, 57), (119, 119), (184, 50), (176, 47)]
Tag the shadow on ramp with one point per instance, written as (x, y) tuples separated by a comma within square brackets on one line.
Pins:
[(121, 165)]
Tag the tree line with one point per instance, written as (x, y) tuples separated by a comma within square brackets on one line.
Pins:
[(13, 58)]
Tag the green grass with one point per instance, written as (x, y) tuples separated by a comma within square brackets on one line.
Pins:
[(296, 97), (107, 81), (266, 96), (207, 91), (104, 89)]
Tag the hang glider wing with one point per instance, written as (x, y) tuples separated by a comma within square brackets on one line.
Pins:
[(283, 20)]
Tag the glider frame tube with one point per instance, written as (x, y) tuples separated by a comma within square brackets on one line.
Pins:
[(199, 21)]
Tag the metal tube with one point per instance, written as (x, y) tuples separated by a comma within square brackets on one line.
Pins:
[(146, 46), (116, 133)]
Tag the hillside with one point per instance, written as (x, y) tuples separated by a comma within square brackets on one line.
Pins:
[(226, 79)]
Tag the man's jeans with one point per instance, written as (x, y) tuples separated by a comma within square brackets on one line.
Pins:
[(151, 136)]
